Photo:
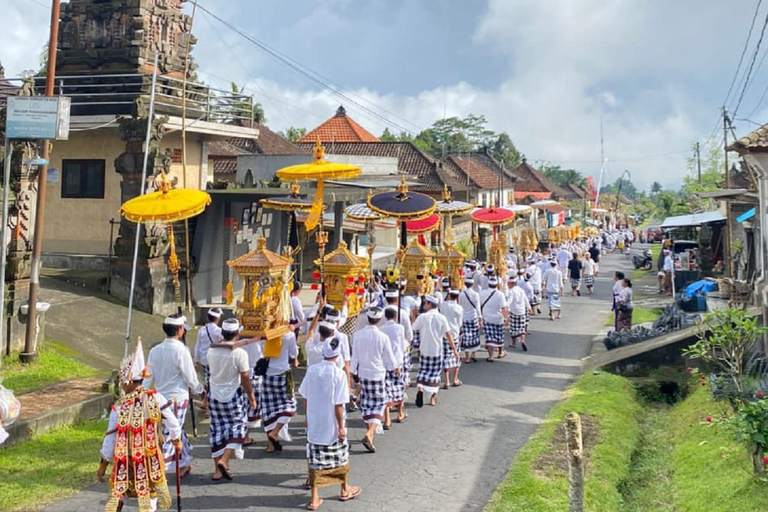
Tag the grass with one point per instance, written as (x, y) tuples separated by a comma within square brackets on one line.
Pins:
[(710, 471), (55, 364), (50, 467), (611, 402), (639, 316)]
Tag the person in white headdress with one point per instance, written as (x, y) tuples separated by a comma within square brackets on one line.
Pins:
[(394, 383), (432, 327), (171, 372), (132, 441), (404, 319), (230, 393), (534, 270), (493, 307), (472, 321), (454, 313), (277, 401), (518, 307), (208, 334), (372, 358)]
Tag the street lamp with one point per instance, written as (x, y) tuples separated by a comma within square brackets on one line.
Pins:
[(618, 193)]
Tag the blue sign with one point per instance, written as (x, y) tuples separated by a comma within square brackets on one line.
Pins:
[(37, 117)]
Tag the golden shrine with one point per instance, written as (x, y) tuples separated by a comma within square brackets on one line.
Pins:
[(415, 260), (265, 307), (449, 263), (344, 277), (498, 255)]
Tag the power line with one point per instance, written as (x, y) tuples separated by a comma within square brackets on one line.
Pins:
[(614, 160), (751, 66), (743, 52)]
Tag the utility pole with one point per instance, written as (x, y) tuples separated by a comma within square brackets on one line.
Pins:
[(30, 351), (727, 249), (698, 161)]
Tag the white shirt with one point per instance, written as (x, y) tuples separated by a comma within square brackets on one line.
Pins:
[(209, 333), (255, 352), (536, 274), (171, 371), (226, 365), (289, 350), (625, 296), (553, 280), (405, 321), (589, 267), (469, 300), (526, 287), (563, 257), (668, 265), (314, 349), (617, 288), (455, 316), (297, 310), (396, 334), (169, 420), (324, 387), (494, 302), (517, 302), (372, 354), (432, 326), (409, 303)]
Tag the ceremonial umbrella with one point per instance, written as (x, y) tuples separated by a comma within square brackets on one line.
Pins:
[(166, 205), (403, 205), (518, 208), (319, 170), (291, 204), (425, 225), (362, 212), (492, 216), (448, 208)]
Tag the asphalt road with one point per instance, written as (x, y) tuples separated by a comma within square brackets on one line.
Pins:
[(448, 458)]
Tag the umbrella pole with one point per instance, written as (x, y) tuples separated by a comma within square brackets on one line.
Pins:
[(150, 118)]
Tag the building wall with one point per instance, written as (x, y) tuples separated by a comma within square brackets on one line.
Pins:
[(81, 226)]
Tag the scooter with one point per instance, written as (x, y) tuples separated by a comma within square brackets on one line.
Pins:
[(644, 261)]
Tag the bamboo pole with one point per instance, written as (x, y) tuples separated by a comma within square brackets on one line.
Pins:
[(575, 463)]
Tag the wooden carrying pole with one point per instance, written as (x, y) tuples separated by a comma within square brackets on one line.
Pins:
[(575, 463)]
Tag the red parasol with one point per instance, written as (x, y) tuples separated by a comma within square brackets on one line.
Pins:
[(492, 216), (424, 225)]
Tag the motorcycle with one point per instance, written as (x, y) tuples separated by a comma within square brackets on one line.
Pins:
[(644, 261)]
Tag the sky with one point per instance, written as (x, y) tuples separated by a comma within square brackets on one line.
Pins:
[(549, 73)]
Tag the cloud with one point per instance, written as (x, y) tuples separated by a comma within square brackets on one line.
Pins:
[(545, 72)]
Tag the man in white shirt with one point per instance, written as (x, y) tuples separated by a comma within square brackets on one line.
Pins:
[(372, 357), (209, 333), (563, 257), (518, 306), (277, 402), (472, 321), (325, 389), (534, 269), (432, 327), (552, 281), (395, 384), (404, 319), (297, 310), (229, 396), (493, 306), (454, 313), (172, 373)]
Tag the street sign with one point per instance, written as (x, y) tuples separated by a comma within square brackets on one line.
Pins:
[(37, 117)]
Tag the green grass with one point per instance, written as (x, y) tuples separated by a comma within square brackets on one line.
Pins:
[(655, 251), (50, 467), (611, 402), (639, 316), (710, 471), (55, 364)]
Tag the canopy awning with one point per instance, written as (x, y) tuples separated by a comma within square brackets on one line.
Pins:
[(746, 215), (694, 219)]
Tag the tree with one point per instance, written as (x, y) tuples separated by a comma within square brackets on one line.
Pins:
[(292, 134), (239, 106), (504, 150), (656, 188), (562, 177), (388, 136), (462, 135)]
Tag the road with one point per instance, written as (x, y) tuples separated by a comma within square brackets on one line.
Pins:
[(449, 458)]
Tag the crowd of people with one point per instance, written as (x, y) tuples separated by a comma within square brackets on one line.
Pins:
[(369, 370)]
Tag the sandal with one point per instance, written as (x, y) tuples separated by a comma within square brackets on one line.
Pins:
[(401, 419), (186, 471), (275, 443), (525, 347), (225, 473), (353, 493), (368, 445), (457, 383), (310, 506), (490, 360), (446, 386), (420, 399), (502, 355)]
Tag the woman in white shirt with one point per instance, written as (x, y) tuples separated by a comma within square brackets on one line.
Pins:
[(624, 306), (589, 273)]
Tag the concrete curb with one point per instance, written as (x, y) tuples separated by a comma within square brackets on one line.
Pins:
[(89, 409)]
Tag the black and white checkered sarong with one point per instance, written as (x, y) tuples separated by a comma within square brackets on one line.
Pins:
[(589, 281), (328, 457), (575, 283), (553, 301), (517, 325), (229, 422), (494, 334), (430, 368), (373, 400), (470, 336), (416, 340), (255, 414), (276, 399), (395, 388), (450, 361), (536, 300)]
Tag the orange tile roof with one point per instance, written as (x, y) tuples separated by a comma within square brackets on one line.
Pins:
[(339, 128)]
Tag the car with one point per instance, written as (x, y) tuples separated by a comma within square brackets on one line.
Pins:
[(654, 235)]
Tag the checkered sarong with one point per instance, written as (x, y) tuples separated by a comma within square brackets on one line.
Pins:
[(255, 414), (494, 334), (553, 301), (575, 283), (536, 300), (450, 361), (395, 388), (416, 340), (517, 325), (276, 400), (373, 400), (470, 336), (328, 457), (589, 281), (407, 365), (430, 368), (169, 451), (229, 422), (527, 319)]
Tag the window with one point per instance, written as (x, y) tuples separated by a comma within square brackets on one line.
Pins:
[(177, 156), (83, 179)]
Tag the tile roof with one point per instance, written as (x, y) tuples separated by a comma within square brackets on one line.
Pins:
[(755, 141), (339, 128), (482, 169), (225, 148), (578, 192), (531, 180), (271, 143), (410, 160)]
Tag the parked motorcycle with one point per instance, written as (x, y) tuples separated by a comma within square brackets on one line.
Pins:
[(644, 260)]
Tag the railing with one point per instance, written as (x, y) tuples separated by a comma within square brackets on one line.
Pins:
[(123, 94)]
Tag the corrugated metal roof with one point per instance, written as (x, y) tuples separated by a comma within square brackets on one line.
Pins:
[(694, 219)]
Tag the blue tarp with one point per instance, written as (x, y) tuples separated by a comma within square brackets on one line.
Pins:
[(699, 288), (746, 215)]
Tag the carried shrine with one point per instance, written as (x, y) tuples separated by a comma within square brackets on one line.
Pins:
[(345, 275), (415, 262)]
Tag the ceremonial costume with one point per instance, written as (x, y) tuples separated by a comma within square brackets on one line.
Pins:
[(492, 305), (227, 402), (206, 335), (553, 281), (132, 443), (469, 334), (255, 352), (277, 402), (395, 385), (518, 305), (454, 314), (432, 327)]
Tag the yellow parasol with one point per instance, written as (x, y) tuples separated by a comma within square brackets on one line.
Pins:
[(167, 205)]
